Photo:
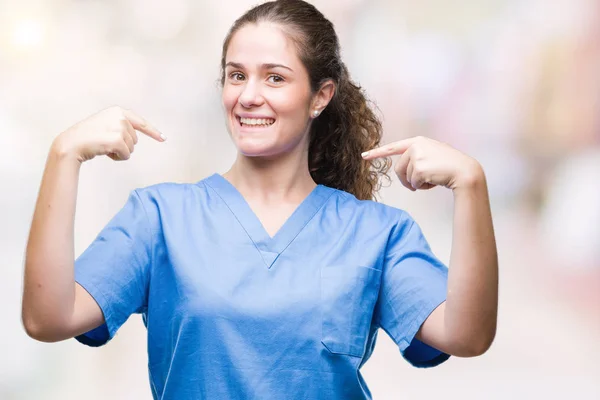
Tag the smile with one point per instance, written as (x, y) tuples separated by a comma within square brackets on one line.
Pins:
[(255, 122)]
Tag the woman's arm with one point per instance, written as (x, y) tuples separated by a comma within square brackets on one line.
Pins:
[(54, 307), (465, 325)]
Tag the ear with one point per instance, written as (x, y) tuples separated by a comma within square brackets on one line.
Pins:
[(322, 97)]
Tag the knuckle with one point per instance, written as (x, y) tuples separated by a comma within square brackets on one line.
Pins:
[(123, 154), (116, 143), (117, 127), (115, 109), (120, 113), (418, 171), (416, 153)]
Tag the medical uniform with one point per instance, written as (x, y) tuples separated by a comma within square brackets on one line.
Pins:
[(233, 313)]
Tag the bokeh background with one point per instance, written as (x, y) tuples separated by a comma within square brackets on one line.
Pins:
[(514, 83)]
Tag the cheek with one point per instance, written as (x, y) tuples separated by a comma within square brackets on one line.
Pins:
[(228, 98), (292, 105)]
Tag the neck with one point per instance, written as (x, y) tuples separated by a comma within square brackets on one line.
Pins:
[(282, 178)]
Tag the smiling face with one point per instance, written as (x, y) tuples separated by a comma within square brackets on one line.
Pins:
[(266, 92)]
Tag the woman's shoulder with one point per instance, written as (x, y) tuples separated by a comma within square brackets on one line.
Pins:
[(171, 192), (371, 208)]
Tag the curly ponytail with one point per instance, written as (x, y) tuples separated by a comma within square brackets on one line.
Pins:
[(348, 125)]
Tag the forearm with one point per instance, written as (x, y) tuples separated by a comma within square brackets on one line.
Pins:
[(472, 302), (49, 288)]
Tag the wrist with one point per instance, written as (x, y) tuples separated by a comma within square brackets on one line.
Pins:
[(60, 151), (471, 177)]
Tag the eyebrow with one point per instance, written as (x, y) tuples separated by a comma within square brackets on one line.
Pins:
[(262, 66)]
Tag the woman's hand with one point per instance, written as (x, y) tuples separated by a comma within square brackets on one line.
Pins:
[(110, 132), (425, 163)]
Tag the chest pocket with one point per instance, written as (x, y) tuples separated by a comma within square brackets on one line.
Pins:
[(348, 296)]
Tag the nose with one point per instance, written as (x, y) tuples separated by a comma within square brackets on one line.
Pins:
[(251, 96)]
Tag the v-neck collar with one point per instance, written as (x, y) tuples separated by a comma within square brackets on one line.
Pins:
[(269, 247)]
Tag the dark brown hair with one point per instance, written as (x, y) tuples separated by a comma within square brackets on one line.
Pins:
[(347, 126)]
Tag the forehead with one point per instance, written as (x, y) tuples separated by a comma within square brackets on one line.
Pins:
[(261, 43)]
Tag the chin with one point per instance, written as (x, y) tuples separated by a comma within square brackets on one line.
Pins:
[(261, 142), (255, 148), (255, 145)]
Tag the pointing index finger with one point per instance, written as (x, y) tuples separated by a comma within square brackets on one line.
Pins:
[(390, 149), (140, 124)]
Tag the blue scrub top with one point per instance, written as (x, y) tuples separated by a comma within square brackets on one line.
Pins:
[(232, 313)]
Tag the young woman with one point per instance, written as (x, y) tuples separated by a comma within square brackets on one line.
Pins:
[(271, 280)]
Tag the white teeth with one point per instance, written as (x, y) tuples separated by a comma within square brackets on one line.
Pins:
[(257, 121)]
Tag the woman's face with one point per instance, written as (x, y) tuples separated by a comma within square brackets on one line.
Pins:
[(266, 92)]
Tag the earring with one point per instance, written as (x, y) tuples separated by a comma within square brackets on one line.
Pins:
[(316, 113)]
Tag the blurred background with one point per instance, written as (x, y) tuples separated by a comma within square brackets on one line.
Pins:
[(514, 83)]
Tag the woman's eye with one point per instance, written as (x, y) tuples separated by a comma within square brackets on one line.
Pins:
[(236, 76), (275, 79)]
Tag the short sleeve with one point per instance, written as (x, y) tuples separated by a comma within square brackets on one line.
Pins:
[(114, 269), (414, 283)]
